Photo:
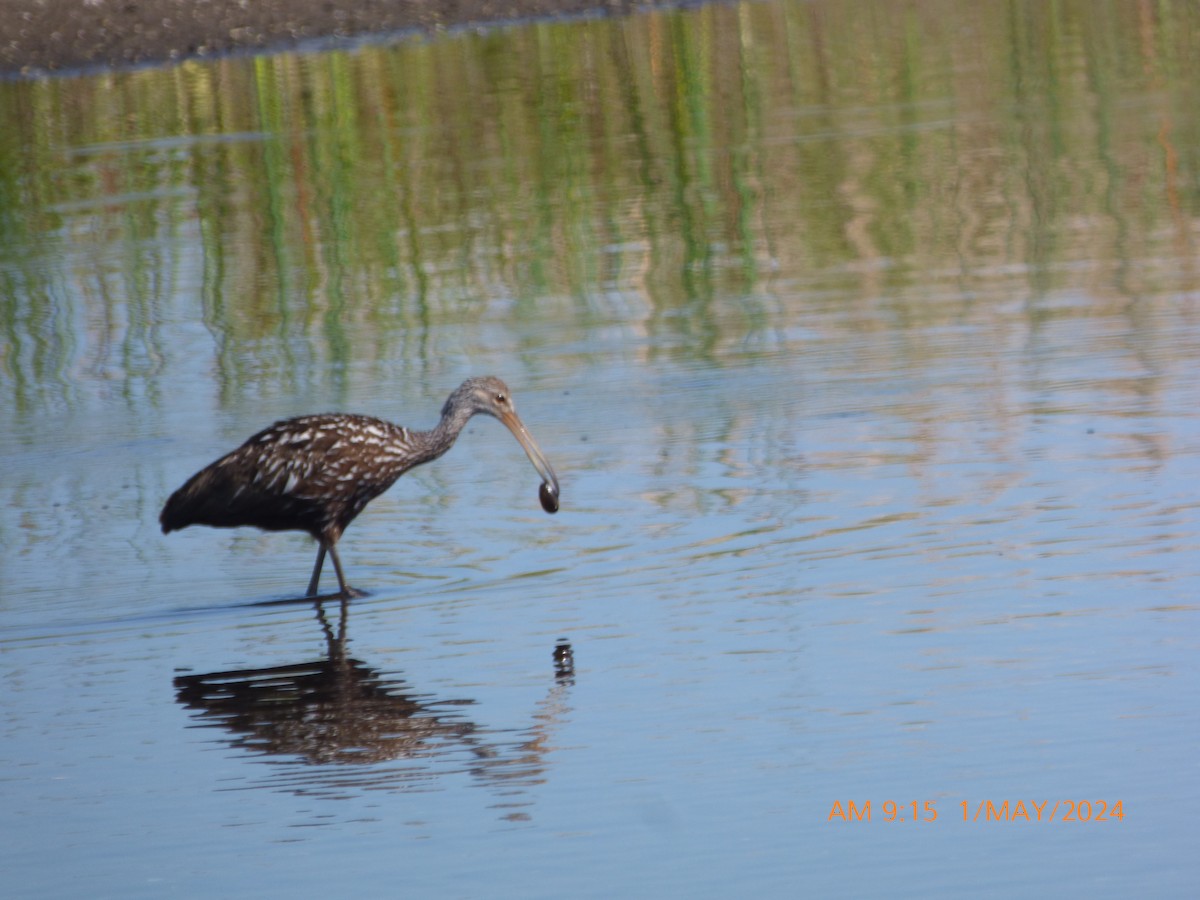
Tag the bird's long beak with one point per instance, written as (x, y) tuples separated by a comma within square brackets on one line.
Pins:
[(532, 450)]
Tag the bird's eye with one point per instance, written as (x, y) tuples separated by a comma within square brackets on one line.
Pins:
[(501, 399)]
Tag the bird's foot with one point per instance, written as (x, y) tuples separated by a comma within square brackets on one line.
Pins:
[(348, 594)]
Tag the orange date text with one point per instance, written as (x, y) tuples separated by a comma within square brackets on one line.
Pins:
[(1019, 811)]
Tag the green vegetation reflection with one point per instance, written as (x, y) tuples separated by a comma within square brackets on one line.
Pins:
[(669, 173)]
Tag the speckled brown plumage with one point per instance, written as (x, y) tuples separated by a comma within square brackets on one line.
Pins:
[(317, 473)]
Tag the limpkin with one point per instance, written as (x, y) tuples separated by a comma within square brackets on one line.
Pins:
[(317, 473)]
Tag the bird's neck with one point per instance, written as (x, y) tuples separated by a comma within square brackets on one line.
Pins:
[(440, 438)]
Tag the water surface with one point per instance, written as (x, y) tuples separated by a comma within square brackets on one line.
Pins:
[(864, 340)]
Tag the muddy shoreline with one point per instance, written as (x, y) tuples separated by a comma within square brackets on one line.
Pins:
[(38, 36)]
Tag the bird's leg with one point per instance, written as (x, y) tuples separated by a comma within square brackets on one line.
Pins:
[(347, 591), (316, 576)]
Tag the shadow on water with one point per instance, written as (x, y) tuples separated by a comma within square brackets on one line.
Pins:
[(304, 600), (337, 725)]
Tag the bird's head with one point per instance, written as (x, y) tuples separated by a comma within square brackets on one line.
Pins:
[(491, 396), (487, 394)]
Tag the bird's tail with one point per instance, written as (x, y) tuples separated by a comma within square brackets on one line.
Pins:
[(199, 502), (174, 514)]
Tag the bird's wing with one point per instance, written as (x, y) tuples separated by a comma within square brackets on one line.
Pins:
[(300, 474)]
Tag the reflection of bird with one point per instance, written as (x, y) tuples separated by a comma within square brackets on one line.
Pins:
[(316, 473)]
